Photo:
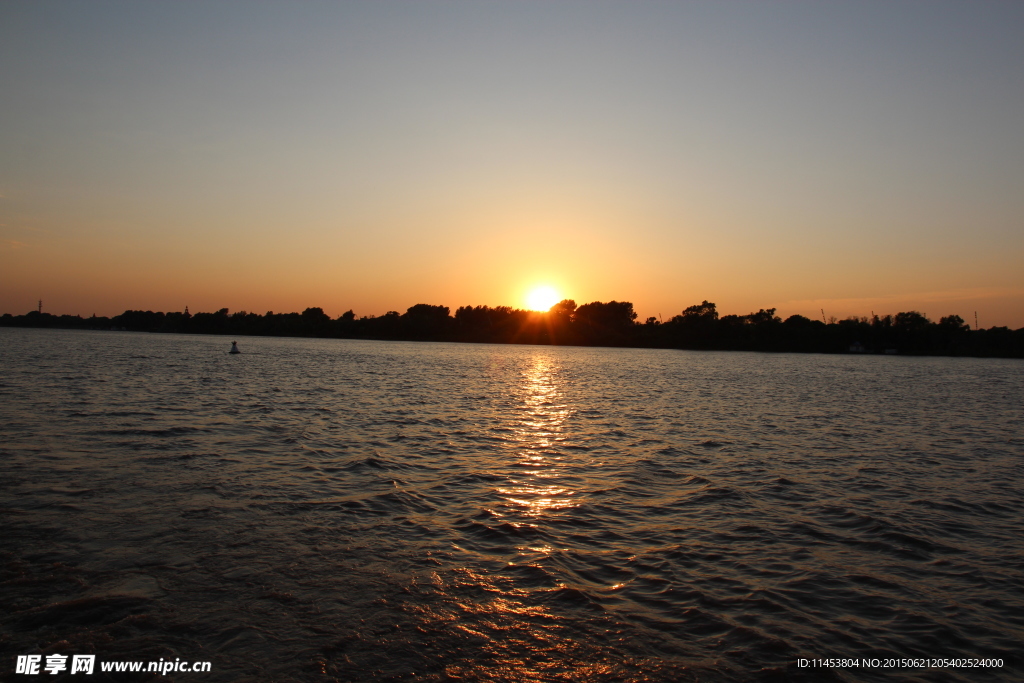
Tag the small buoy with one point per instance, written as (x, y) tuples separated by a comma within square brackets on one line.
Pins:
[(234, 348)]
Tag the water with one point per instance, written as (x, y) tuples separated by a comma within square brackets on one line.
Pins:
[(368, 511)]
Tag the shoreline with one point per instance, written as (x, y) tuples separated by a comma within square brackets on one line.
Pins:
[(1014, 354)]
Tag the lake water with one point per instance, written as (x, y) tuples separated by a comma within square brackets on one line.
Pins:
[(368, 511)]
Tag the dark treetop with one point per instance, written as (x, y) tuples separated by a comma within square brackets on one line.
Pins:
[(611, 323)]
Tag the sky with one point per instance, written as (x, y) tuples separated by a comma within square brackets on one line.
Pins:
[(846, 157)]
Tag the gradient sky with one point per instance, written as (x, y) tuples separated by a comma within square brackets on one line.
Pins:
[(852, 156)]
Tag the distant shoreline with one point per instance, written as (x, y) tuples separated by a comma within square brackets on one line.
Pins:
[(607, 324)]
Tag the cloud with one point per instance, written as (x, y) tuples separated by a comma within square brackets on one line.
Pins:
[(12, 244)]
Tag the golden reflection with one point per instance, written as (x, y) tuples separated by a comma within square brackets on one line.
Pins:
[(537, 435)]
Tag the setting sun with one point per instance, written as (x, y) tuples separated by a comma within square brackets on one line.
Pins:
[(542, 298)]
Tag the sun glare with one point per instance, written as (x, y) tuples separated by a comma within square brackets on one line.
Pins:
[(542, 298)]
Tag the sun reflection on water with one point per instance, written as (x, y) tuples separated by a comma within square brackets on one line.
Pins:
[(512, 612), (537, 435)]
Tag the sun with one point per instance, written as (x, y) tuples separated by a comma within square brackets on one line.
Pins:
[(542, 298)]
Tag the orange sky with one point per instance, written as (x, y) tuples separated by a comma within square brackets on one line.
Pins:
[(854, 158)]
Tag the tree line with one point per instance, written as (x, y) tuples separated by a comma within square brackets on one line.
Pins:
[(612, 323)]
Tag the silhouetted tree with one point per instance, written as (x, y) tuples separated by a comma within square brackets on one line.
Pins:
[(604, 323), (695, 328), (953, 323), (565, 308), (596, 323), (424, 321)]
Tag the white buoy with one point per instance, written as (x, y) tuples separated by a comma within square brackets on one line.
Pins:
[(234, 348)]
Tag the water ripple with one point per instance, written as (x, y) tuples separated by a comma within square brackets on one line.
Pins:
[(367, 511)]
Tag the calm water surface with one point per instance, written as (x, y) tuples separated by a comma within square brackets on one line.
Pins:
[(368, 511)]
